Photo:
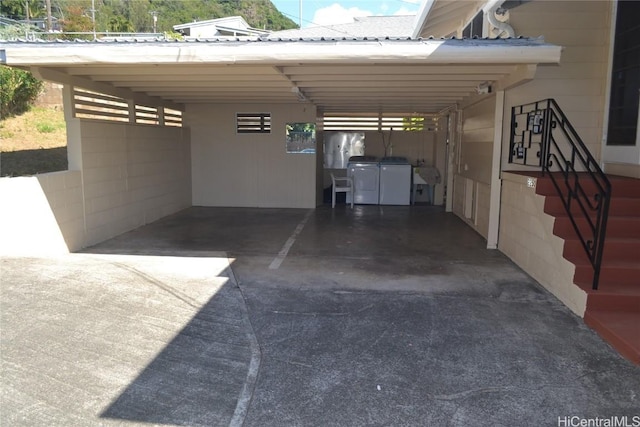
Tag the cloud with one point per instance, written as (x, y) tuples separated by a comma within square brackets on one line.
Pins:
[(404, 11), (337, 14)]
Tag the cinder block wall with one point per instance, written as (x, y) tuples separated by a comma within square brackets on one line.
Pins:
[(133, 175), (526, 236), (129, 175), (41, 215)]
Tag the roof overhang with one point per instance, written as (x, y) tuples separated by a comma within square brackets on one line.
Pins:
[(336, 75), (441, 18)]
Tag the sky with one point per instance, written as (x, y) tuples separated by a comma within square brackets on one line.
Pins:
[(328, 12)]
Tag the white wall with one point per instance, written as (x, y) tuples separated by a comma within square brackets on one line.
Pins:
[(132, 175), (41, 215), (526, 236), (473, 164), (128, 176), (249, 170)]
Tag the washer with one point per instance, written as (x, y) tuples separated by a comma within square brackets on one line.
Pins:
[(395, 181), (365, 172)]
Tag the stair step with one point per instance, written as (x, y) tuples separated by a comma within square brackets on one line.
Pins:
[(605, 299), (615, 249), (619, 206), (617, 226), (613, 310), (620, 186), (623, 274), (620, 329)]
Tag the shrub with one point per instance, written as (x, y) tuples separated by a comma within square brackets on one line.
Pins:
[(18, 90)]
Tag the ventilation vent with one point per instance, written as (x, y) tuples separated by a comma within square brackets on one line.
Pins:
[(94, 105), (99, 106), (253, 122), (376, 122)]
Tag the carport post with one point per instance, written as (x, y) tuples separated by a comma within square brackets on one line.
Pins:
[(496, 165)]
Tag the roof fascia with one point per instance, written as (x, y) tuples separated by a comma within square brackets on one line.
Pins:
[(421, 17), (497, 51)]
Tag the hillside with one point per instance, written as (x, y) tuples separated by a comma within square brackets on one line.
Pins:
[(33, 142), (137, 16)]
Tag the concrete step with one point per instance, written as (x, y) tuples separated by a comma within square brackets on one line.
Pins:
[(620, 186), (620, 329), (613, 310), (616, 249), (617, 226), (619, 206), (619, 274)]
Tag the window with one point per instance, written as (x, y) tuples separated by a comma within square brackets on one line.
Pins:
[(253, 122), (474, 28), (301, 138)]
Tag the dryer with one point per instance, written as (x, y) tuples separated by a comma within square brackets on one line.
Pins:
[(395, 181), (365, 172)]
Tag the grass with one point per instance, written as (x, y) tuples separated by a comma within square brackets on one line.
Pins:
[(33, 142)]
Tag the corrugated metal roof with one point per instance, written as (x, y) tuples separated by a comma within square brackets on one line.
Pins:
[(276, 37), (341, 73)]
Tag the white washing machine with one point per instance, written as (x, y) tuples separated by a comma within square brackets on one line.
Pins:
[(365, 172), (395, 181)]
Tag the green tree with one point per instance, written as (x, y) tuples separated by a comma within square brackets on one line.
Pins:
[(18, 91), (14, 9), (77, 22), (120, 24), (76, 14), (413, 123)]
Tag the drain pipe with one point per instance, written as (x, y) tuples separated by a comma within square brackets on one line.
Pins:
[(500, 27)]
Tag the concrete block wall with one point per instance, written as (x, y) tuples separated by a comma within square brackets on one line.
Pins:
[(133, 175), (526, 236), (252, 169), (130, 175), (64, 194), (41, 215)]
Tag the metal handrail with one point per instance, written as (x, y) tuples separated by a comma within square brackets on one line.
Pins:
[(559, 151)]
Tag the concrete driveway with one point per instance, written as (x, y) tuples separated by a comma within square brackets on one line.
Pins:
[(274, 317)]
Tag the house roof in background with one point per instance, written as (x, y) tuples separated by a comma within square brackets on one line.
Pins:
[(369, 26), (229, 24)]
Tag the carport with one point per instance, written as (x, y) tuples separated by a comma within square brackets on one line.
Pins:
[(167, 114), (402, 310)]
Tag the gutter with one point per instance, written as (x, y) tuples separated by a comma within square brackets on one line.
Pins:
[(451, 51)]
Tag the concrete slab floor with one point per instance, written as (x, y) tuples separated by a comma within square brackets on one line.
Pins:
[(371, 316)]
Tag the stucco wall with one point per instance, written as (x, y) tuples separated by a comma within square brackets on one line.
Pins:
[(526, 236), (249, 170)]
